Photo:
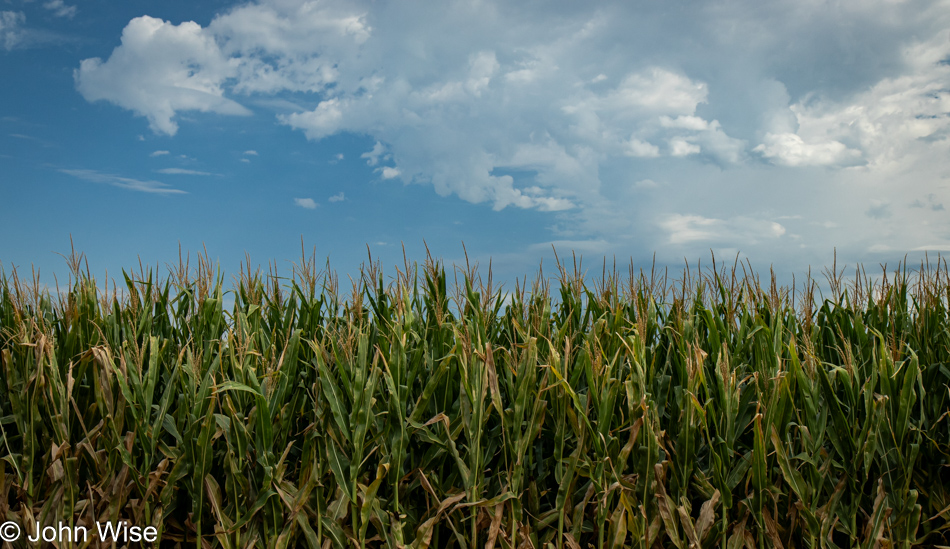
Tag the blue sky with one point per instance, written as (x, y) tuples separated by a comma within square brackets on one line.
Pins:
[(778, 131)]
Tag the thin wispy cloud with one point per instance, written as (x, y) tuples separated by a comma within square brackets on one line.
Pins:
[(145, 186), (339, 197), (11, 28), (15, 34), (61, 9), (182, 171), (33, 139), (158, 153)]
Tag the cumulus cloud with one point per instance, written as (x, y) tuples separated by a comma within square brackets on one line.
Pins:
[(656, 91), (694, 123), (158, 153), (885, 126), (642, 149), (390, 173), (145, 186), (290, 45), (306, 203), (337, 197), (435, 114), (790, 149), (161, 69), (682, 147), (573, 108)]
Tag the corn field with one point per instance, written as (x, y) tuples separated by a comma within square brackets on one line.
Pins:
[(429, 408)]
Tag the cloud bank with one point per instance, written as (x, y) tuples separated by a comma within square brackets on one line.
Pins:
[(756, 125)]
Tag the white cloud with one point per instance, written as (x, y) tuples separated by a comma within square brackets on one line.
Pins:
[(438, 116), (290, 45), (641, 149), (682, 147), (372, 156), (60, 9), (759, 114), (182, 171), (888, 125), (158, 153), (390, 173), (159, 70), (717, 144), (656, 91), (790, 149), (337, 197), (11, 23), (250, 153), (684, 228), (326, 119), (145, 186), (694, 123), (688, 228), (306, 203)]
